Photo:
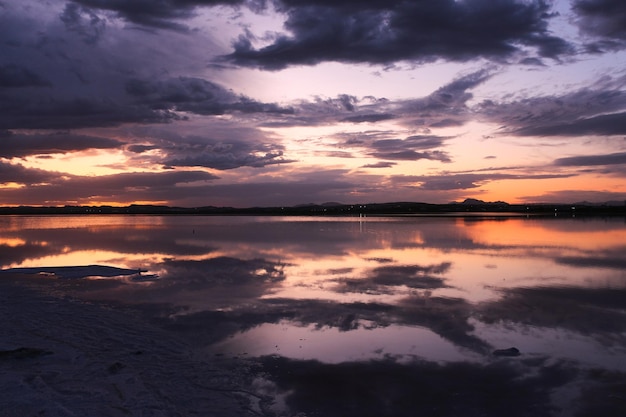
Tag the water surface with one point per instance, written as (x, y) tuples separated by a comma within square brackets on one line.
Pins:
[(356, 295)]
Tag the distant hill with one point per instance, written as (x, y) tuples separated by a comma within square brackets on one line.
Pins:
[(467, 207), (473, 201)]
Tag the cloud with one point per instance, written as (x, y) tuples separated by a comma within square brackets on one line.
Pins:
[(225, 156), (412, 148), (157, 14), (591, 160), (15, 76), (446, 106), (381, 164), (606, 124), (385, 32), (18, 174), (49, 112), (368, 118), (464, 181), (228, 146), (603, 19), (88, 25), (49, 188), (594, 110), (195, 95), (21, 145)]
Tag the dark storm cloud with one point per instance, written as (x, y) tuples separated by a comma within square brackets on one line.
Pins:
[(72, 72), (591, 160), (603, 19), (385, 32), (15, 76), (49, 112), (226, 156), (20, 145), (195, 95), (15, 173), (132, 180), (88, 25), (220, 153), (158, 14), (146, 102)]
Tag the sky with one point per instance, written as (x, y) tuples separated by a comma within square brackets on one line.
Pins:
[(283, 102)]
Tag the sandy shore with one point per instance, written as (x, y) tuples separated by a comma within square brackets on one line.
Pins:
[(62, 357)]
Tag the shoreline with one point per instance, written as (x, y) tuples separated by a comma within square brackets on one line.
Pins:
[(65, 357)]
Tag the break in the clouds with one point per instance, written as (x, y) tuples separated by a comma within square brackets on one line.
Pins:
[(278, 102)]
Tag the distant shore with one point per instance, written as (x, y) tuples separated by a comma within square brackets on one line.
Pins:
[(466, 208)]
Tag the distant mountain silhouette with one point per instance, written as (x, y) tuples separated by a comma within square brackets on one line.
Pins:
[(467, 206), (473, 201)]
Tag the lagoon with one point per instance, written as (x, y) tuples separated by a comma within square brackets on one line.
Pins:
[(356, 305)]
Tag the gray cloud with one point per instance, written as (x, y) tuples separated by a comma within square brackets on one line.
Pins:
[(195, 95), (590, 160), (607, 124), (595, 110), (368, 118), (157, 14), (54, 113), (88, 25), (15, 76), (228, 147), (382, 164), (21, 145), (385, 32), (464, 181), (16, 173), (412, 148), (59, 189), (603, 19)]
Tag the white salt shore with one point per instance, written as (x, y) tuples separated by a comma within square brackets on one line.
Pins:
[(62, 357)]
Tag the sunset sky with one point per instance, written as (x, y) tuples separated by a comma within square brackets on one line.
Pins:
[(283, 102)]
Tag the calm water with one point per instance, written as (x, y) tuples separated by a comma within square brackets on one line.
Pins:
[(346, 292)]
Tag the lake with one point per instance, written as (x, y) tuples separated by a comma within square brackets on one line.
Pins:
[(368, 315)]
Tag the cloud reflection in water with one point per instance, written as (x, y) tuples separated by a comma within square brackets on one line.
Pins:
[(348, 294)]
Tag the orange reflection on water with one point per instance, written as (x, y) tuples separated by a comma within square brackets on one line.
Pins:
[(530, 233)]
